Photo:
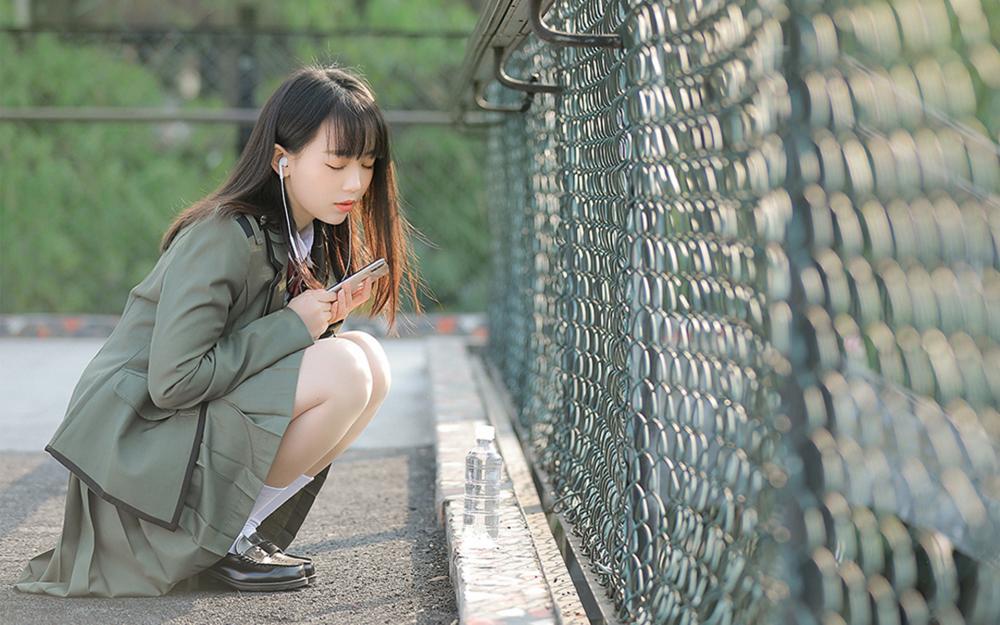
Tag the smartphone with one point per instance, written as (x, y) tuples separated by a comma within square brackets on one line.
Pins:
[(374, 270)]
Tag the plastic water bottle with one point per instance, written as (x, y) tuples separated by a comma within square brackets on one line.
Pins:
[(482, 487)]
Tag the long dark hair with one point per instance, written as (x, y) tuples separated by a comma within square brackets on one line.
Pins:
[(291, 117)]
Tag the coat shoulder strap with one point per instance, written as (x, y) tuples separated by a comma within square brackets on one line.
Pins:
[(253, 227), (244, 222)]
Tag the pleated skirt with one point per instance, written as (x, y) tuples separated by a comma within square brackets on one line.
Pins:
[(106, 551)]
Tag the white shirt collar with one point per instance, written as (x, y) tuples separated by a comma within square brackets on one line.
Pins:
[(307, 235), (304, 243)]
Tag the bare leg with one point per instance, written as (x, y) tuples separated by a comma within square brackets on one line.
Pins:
[(334, 387), (352, 434), (382, 380)]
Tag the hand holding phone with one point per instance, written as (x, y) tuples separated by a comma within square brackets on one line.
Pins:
[(344, 290), (319, 310)]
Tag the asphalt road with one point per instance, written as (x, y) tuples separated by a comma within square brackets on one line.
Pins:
[(379, 553)]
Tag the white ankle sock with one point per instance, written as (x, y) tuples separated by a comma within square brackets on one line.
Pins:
[(284, 496), (269, 500), (267, 494)]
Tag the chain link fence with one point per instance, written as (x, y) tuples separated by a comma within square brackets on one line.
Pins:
[(746, 301)]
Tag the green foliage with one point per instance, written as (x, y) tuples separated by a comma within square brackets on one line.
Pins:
[(83, 205), (442, 190)]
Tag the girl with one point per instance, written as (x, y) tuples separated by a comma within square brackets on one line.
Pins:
[(200, 434)]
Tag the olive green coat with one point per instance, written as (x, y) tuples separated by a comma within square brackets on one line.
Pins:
[(204, 339)]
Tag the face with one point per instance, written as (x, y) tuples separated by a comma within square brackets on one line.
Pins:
[(317, 179)]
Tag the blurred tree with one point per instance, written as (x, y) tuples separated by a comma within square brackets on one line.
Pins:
[(83, 205)]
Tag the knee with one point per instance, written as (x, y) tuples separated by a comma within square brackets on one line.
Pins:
[(352, 381), (378, 362)]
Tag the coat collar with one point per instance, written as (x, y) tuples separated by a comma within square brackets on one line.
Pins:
[(279, 258), (279, 251)]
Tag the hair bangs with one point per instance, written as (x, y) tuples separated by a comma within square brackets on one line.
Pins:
[(357, 132)]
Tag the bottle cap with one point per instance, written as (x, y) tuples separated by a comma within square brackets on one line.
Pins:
[(484, 432)]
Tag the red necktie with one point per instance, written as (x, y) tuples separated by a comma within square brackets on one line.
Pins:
[(294, 283)]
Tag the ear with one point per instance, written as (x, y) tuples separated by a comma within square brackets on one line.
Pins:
[(278, 153)]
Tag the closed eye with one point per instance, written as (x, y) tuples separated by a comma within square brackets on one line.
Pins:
[(372, 166)]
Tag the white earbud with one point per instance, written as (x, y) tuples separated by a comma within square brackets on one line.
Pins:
[(299, 251)]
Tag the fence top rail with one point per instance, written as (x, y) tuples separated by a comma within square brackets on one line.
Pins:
[(233, 31), (199, 115), (502, 23)]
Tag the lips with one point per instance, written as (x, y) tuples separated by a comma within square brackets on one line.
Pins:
[(344, 206)]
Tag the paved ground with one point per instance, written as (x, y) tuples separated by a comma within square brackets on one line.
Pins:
[(379, 553)]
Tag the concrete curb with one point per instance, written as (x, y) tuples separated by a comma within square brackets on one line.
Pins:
[(508, 582), (44, 325)]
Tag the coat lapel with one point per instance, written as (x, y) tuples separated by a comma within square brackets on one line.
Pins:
[(278, 257)]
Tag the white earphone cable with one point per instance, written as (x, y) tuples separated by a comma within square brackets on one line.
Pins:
[(293, 233)]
